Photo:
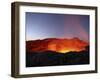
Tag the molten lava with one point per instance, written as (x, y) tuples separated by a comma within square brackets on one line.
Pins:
[(58, 45)]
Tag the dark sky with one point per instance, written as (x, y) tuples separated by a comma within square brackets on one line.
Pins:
[(47, 25)]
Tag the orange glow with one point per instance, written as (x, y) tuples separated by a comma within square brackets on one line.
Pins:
[(64, 51), (67, 45), (57, 45), (69, 50)]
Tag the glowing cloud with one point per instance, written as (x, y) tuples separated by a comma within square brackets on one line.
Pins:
[(74, 27)]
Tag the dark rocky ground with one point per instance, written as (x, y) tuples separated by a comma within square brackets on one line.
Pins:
[(51, 58)]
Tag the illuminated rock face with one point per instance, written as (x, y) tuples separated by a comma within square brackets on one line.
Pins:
[(58, 45)]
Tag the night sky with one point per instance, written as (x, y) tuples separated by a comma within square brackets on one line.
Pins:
[(47, 25)]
